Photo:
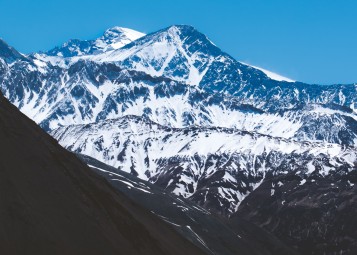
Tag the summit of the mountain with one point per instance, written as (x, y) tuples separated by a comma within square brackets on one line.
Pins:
[(180, 52)]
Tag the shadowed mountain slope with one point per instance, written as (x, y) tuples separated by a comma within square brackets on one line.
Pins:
[(51, 203)]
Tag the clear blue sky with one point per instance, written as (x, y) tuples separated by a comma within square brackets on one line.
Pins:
[(308, 40)]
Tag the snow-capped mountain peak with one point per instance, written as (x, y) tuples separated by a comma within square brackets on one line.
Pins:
[(184, 54), (113, 38), (117, 37), (179, 52)]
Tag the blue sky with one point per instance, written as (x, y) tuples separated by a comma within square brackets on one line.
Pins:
[(313, 41)]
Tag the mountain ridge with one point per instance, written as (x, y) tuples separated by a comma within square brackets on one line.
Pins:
[(87, 91), (191, 161)]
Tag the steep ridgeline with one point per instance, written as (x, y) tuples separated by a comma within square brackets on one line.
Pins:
[(175, 77), (184, 54), (51, 202), (216, 167)]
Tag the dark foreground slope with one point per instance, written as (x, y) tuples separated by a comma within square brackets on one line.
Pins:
[(51, 203)]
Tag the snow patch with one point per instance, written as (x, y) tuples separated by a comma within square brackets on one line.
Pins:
[(270, 74)]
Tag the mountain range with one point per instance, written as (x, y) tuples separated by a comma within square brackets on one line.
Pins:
[(173, 109)]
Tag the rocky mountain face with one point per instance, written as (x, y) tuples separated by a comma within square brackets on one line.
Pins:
[(170, 107), (315, 214), (216, 167)]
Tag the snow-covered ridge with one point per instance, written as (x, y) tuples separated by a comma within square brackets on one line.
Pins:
[(117, 37), (181, 159), (87, 91), (170, 52)]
